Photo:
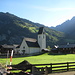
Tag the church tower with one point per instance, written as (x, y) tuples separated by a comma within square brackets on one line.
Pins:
[(42, 38)]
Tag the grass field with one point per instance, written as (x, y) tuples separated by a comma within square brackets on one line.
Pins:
[(42, 59)]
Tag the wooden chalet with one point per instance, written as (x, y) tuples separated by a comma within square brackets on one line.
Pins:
[(69, 48), (5, 48)]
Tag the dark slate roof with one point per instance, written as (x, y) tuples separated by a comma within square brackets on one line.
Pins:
[(31, 42), (67, 46), (40, 30), (18, 46)]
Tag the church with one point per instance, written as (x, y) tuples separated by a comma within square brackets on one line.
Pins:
[(30, 45)]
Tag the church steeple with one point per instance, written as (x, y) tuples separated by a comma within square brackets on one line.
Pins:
[(41, 30), (42, 38)]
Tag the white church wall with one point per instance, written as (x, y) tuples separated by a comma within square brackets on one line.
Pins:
[(42, 41), (24, 47), (34, 50)]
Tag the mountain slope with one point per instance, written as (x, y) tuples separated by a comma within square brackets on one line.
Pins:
[(68, 27), (13, 29)]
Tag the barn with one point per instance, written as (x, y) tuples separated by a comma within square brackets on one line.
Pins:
[(69, 48), (5, 48)]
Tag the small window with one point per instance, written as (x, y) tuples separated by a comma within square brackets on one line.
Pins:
[(23, 51), (24, 47)]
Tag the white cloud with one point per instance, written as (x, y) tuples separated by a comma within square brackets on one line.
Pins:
[(60, 20), (52, 9)]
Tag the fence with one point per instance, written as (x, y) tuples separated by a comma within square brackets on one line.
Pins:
[(51, 68), (56, 67)]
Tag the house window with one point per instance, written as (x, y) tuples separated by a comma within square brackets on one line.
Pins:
[(23, 51), (24, 47)]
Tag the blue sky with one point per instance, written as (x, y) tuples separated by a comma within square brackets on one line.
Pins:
[(47, 12)]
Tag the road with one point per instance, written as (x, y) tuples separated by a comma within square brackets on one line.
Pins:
[(64, 73)]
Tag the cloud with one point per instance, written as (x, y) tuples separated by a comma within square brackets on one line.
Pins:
[(52, 9)]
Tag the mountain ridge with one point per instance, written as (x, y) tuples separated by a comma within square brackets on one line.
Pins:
[(13, 29), (68, 27), (65, 26)]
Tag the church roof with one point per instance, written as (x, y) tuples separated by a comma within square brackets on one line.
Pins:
[(31, 42), (40, 30)]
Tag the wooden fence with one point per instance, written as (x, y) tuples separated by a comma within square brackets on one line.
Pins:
[(51, 68)]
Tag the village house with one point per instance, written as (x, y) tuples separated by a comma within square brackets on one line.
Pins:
[(66, 49), (5, 48), (30, 45)]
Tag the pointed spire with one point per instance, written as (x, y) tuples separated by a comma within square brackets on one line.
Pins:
[(41, 29)]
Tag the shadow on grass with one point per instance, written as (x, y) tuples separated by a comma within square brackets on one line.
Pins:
[(33, 54), (36, 54), (27, 55), (56, 54), (20, 56)]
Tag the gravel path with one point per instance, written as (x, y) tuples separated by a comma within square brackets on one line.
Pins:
[(64, 73)]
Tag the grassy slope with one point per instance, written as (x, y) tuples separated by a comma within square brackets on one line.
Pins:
[(44, 58)]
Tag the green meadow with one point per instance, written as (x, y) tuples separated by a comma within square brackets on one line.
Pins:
[(42, 59)]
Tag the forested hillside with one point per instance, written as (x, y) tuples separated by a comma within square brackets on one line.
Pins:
[(13, 29)]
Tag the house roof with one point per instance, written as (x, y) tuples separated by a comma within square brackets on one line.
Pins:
[(8, 46), (54, 49), (16, 46), (40, 30), (31, 42), (64, 46), (67, 46)]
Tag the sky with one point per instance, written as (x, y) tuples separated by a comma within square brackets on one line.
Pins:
[(46, 12)]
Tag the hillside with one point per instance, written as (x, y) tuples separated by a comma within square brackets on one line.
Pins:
[(13, 29), (68, 27)]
